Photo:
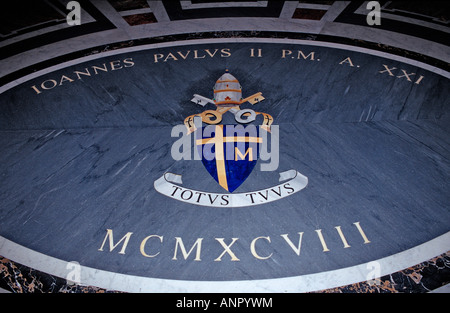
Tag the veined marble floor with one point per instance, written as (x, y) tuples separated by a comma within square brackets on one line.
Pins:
[(359, 119)]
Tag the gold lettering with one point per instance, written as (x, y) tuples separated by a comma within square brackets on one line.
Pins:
[(54, 83), (171, 56), (225, 53), (184, 56), (143, 245), (65, 78), (253, 250), (407, 75), (115, 65), (387, 69), (237, 153), (252, 53), (104, 68), (227, 249), (285, 53), (196, 55), (322, 241), (157, 56), (344, 241), (363, 235), (128, 61), (300, 54), (35, 89), (291, 244), (347, 60), (211, 54), (78, 73), (179, 242), (419, 80), (112, 246)]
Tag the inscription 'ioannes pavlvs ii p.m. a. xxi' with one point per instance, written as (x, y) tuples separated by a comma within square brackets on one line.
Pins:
[(229, 152)]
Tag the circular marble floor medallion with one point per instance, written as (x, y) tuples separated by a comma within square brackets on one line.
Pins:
[(333, 157)]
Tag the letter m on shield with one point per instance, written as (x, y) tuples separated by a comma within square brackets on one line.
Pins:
[(229, 152)]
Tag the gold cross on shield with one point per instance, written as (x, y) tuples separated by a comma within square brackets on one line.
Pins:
[(218, 140)]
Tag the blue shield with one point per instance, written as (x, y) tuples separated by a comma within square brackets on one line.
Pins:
[(229, 152)]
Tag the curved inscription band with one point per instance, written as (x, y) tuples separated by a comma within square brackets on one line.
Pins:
[(168, 185)]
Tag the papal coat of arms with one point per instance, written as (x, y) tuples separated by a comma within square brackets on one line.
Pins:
[(229, 152)]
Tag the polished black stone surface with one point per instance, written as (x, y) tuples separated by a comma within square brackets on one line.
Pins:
[(81, 157)]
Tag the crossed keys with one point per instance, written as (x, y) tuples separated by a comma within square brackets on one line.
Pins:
[(214, 117)]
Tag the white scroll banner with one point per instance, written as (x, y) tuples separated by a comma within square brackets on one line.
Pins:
[(169, 185)]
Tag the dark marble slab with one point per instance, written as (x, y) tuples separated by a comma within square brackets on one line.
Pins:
[(82, 157)]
